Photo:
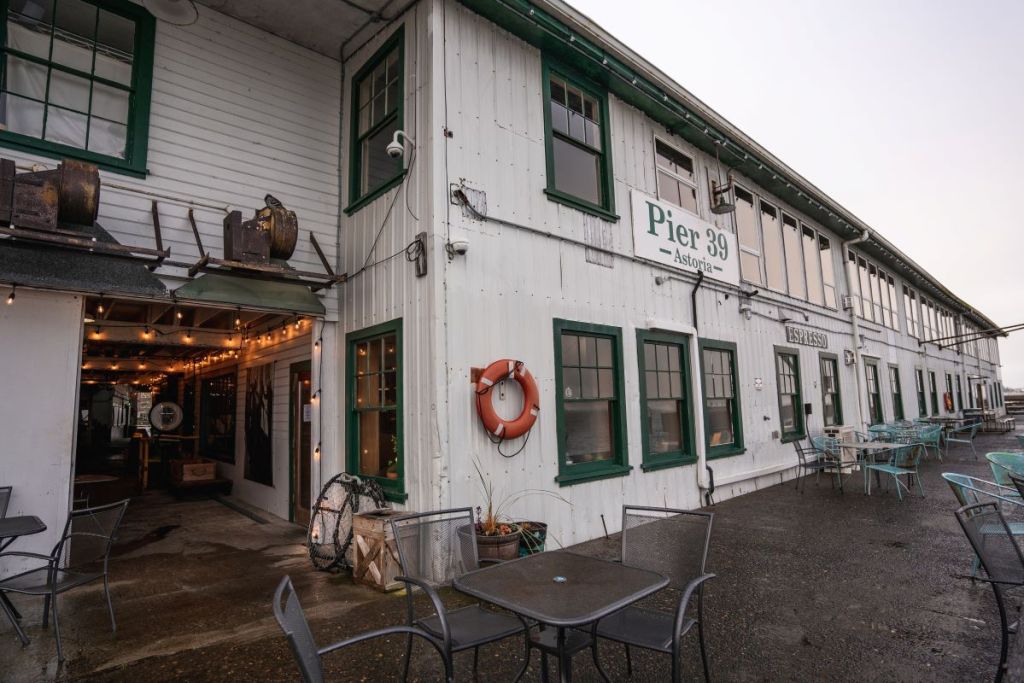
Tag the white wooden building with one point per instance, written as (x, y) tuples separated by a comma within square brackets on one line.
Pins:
[(555, 200)]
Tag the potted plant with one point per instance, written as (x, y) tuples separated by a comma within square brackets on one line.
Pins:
[(392, 470)]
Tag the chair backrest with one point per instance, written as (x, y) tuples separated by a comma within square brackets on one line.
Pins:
[(436, 547), (1003, 463), (930, 434), (805, 454), (292, 620), (962, 488), (91, 533), (826, 444), (993, 542), (5, 498), (909, 435), (1018, 482), (672, 542), (908, 456)]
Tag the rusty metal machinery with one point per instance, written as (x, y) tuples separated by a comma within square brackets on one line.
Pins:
[(61, 198), (271, 233)]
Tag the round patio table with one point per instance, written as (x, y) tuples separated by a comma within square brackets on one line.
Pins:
[(869, 448), (12, 528)]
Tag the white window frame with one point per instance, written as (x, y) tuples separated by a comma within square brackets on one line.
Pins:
[(695, 183)]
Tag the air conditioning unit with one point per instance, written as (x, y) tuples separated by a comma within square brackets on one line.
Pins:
[(848, 357), (847, 302)]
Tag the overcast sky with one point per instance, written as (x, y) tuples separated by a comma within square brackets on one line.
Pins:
[(908, 113)]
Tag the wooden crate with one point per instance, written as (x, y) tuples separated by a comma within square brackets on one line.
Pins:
[(374, 554), (196, 469)]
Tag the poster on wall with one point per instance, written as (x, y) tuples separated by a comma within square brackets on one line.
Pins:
[(259, 403)]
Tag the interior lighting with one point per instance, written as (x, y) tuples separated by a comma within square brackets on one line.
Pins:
[(10, 297)]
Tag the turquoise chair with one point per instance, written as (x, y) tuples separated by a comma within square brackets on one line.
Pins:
[(931, 437), (903, 462), (1002, 463), (964, 434), (970, 490), (881, 432), (1020, 440)]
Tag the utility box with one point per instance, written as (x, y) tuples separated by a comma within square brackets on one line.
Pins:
[(843, 433), (374, 553)]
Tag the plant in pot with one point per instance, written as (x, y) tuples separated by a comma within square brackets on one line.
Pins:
[(392, 470), (498, 537)]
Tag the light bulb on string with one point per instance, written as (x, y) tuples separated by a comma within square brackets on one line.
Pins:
[(316, 452), (316, 345), (10, 297), (99, 307)]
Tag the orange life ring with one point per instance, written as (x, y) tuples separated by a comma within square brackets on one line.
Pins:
[(501, 370)]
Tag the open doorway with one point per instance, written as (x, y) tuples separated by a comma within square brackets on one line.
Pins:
[(301, 433)]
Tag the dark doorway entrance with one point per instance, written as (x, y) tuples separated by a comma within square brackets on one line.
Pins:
[(300, 429)]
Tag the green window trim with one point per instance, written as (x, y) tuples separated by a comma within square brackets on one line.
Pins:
[(831, 360), (949, 390), (357, 198), (140, 91), (959, 394), (394, 489), (736, 447), (569, 474), (606, 208), (933, 390), (922, 405), (799, 422), (687, 454), (876, 416), (896, 389)]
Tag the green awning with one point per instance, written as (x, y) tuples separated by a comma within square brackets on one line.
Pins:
[(271, 295)]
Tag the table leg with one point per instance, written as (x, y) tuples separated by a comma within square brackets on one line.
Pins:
[(10, 606), (564, 662), (11, 618)]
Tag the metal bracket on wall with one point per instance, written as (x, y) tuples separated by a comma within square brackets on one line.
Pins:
[(421, 255)]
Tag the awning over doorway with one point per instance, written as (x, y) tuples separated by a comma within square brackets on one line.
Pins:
[(31, 264), (251, 293)]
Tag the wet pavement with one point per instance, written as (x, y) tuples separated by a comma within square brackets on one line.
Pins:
[(815, 586)]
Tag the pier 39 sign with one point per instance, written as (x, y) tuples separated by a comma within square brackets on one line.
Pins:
[(676, 238)]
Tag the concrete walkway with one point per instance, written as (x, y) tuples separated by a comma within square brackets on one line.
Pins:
[(813, 586)]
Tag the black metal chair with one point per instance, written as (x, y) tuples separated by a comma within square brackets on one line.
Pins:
[(88, 536), (308, 656), (673, 543), (433, 549), (811, 459), (5, 499), (1000, 556)]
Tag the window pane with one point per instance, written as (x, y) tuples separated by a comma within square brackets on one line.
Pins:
[(26, 78), (606, 383), (571, 382), (69, 91), (570, 349), (29, 27), (588, 351), (66, 127), (588, 381), (668, 189), (664, 426), (604, 352), (110, 103), (577, 171), (557, 91), (827, 271), (378, 432), (674, 160), (577, 130), (107, 137), (749, 240), (588, 431), (794, 258), (377, 166), (116, 34), (774, 260), (719, 416), (559, 117), (651, 383), (23, 116)]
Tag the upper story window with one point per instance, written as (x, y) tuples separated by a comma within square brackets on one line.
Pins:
[(873, 291), (910, 313), (579, 170), (377, 112), (748, 237), (677, 178), (76, 80), (774, 257)]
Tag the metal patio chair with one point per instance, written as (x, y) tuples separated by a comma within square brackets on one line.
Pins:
[(970, 490), (5, 499), (811, 459), (308, 656), (1003, 464), (673, 543), (903, 461), (91, 533), (931, 437), (433, 549), (1000, 555), (965, 435)]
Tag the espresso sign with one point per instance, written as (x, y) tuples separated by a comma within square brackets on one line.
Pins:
[(798, 335)]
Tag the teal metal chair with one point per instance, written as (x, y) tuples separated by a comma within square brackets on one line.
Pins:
[(931, 437), (1020, 440), (965, 435), (1004, 463), (902, 463), (881, 432), (970, 490)]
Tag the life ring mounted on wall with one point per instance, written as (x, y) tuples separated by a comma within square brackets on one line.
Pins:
[(496, 372)]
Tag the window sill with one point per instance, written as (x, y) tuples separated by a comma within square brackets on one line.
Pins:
[(790, 438), (593, 475), (370, 196), (580, 204), (726, 452), (666, 464), (394, 489), (53, 150)]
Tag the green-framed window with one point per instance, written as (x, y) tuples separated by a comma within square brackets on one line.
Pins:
[(947, 398), (959, 394), (76, 81), (791, 407), (723, 421), (378, 94), (591, 416), (896, 389), (374, 401), (666, 415), (831, 399), (577, 142), (934, 391), (922, 403), (874, 391)]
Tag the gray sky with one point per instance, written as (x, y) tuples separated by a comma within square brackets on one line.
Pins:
[(909, 113)]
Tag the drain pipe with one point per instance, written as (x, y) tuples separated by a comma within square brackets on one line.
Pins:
[(705, 477), (857, 361)]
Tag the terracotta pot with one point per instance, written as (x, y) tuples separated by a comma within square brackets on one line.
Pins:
[(497, 548), (392, 475)]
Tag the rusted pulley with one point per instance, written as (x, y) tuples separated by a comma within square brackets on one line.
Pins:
[(78, 193)]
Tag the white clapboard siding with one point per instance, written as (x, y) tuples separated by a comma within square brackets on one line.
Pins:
[(236, 113)]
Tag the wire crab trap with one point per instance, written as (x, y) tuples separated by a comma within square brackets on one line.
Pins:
[(329, 536)]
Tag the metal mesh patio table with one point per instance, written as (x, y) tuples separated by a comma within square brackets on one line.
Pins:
[(561, 589), (10, 529)]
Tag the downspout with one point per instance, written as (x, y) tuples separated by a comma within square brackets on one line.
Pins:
[(857, 361), (705, 477)]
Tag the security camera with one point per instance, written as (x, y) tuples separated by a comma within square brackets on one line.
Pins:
[(395, 148)]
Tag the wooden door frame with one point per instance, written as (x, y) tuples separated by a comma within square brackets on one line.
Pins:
[(293, 459)]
